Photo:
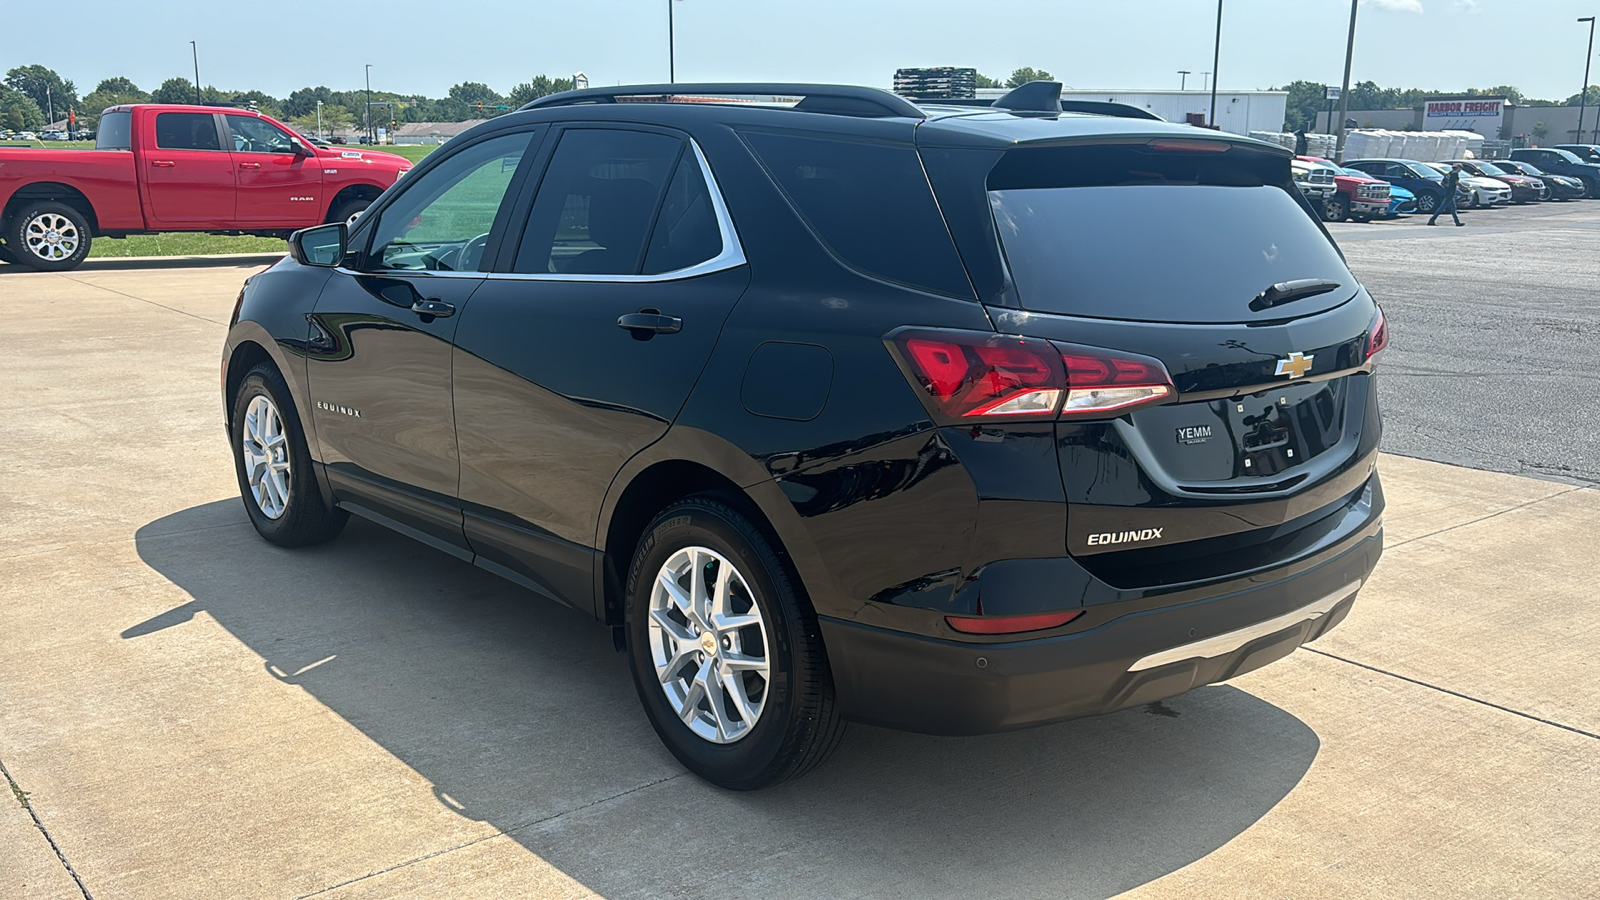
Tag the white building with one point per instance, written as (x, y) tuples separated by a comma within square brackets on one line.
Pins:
[(1239, 112)]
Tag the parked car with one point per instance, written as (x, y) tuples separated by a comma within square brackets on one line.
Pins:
[(338, 139), (1481, 192), (179, 168), (1524, 189), (1360, 196), (1417, 177), (1589, 153), (1401, 201), (1316, 182), (27, 136), (1560, 187), (52, 136), (1562, 162), (852, 411)]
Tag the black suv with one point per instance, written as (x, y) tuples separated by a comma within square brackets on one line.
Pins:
[(1562, 162), (840, 408)]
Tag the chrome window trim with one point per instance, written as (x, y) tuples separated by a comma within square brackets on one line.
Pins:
[(731, 257)]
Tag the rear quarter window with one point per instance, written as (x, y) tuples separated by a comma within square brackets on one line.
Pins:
[(870, 204), (114, 132)]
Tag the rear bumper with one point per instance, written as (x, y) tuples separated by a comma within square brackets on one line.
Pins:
[(940, 686)]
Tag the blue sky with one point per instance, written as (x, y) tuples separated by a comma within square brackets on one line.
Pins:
[(424, 46)]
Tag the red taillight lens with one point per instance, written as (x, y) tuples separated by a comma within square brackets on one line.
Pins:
[(973, 374), (1011, 624), (985, 375), (1377, 335)]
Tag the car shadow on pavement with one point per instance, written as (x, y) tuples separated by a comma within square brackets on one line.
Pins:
[(521, 714)]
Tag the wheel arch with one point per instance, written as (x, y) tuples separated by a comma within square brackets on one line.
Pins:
[(246, 355), (362, 191), (52, 191)]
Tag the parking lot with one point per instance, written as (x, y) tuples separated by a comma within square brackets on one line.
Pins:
[(188, 711)]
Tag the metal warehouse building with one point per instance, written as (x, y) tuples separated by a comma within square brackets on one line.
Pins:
[(1239, 112)]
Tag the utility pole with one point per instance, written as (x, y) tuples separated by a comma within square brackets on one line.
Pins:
[(367, 119), (1205, 80), (1183, 79), (1215, 59), (672, 49), (319, 119), (195, 49), (1583, 95), (50, 107), (1344, 91)]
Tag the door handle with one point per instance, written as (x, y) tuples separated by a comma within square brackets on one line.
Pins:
[(162, 163), (649, 321), (249, 165), (435, 308)]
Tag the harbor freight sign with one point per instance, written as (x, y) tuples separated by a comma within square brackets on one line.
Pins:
[(1481, 114)]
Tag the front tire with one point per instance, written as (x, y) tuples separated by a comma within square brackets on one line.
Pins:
[(1427, 203), (1336, 208), (273, 464), (348, 211), (49, 236), (725, 649)]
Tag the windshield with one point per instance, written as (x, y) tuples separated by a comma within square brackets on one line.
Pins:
[(1162, 252), (1567, 155)]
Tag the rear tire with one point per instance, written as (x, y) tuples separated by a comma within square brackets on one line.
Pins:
[(787, 722), (274, 467), (347, 211), (49, 236)]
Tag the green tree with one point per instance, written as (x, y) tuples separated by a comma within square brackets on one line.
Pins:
[(1591, 97), (304, 101), (540, 86), (478, 99), (985, 81), (1540, 131), (18, 111), (44, 86), (1306, 99), (117, 85), (1026, 74), (174, 90), (255, 99), (93, 105)]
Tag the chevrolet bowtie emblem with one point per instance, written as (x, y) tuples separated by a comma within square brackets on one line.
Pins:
[(1295, 366)]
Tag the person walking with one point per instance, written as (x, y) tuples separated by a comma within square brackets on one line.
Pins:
[(1448, 204)]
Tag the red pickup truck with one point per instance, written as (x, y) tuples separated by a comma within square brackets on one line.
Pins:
[(179, 168)]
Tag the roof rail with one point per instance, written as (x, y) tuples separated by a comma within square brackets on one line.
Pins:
[(833, 99)]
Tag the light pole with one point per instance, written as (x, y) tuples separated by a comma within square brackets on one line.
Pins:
[(1205, 79), (1183, 79), (195, 50), (1583, 95), (1216, 58), (50, 107), (367, 119), (1344, 90), (672, 49), (319, 120)]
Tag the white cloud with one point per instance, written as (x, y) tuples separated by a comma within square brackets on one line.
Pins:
[(1414, 6), (1470, 6)]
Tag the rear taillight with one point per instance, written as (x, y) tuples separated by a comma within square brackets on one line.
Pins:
[(966, 375), (1377, 335)]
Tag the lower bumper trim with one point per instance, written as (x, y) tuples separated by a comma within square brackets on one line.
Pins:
[(1223, 644)]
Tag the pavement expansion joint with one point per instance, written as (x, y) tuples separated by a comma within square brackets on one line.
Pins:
[(489, 837), (100, 287), (1387, 545), (22, 800), (1444, 690)]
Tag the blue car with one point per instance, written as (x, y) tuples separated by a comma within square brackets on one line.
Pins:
[(1401, 201), (1421, 180)]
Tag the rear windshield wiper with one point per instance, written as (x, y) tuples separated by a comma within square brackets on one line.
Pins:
[(1290, 291)]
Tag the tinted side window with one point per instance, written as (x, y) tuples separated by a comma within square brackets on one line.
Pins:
[(113, 133), (870, 204), (686, 231), (594, 208), (442, 221), (253, 135), (186, 131)]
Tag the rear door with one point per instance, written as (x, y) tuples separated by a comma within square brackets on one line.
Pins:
[(379, 355), (1174, 255), (276, 184), (582, 348), (188, 176)]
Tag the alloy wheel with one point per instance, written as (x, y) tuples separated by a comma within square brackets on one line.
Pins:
[(264, 447), (708, 642), (51, 236)]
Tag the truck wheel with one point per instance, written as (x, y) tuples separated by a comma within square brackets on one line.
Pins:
[(725, 649), (1336, 208), (347, 211), (49, 236)]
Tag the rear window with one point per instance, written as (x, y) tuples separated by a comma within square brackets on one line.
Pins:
[(1161, 252), (113, 133), (870, 204)]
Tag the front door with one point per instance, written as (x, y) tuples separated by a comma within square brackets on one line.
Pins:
[(188, 176), (379, 349), (276, 184), (553, 393)]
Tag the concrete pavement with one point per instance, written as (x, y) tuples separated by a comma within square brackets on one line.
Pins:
[(193, 713)]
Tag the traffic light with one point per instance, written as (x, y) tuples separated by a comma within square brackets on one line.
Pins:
[(480, 107)]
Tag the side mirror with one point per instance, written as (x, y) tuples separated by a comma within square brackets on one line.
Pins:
[(323, 245), (300, 148)]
